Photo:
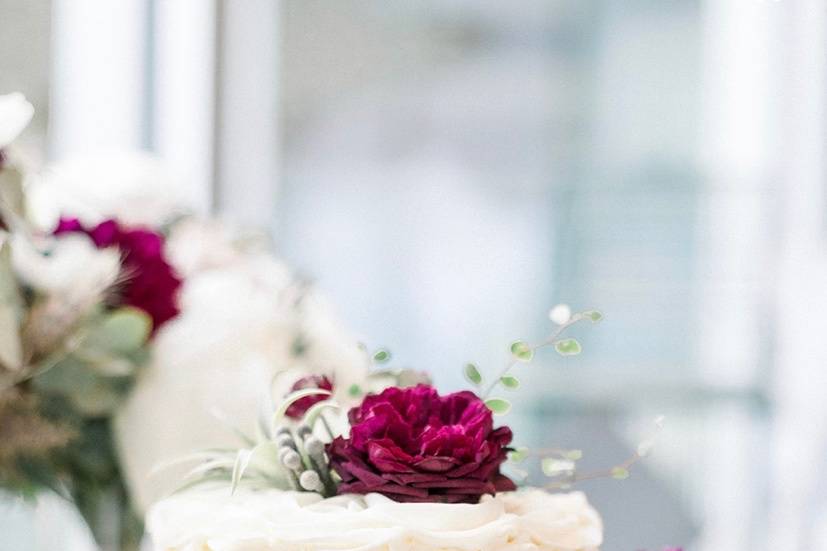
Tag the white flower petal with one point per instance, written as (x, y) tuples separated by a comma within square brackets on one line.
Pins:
[(15, 115)]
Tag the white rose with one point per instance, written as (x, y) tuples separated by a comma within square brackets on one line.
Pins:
[(212, 520), (15, 115)]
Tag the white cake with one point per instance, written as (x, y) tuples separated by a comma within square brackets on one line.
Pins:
[(210, 519)]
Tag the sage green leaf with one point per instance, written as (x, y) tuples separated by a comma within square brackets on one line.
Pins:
[(472, 374), (122, 331), (355, 391), (91, 394), (499, 406), (573, 455), (381, 356), (510, 382), (568, 347), (593, 315), (522, 351), (620, 473)]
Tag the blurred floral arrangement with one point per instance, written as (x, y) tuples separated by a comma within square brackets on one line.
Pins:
[(120, 313)]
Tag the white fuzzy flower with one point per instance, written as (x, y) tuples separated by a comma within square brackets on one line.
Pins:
[(15, 115), (132, 186), (73, 269), (560, 314)]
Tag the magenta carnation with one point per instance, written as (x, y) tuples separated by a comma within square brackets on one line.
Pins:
[(150, 283), (297, 409), (411, 444)]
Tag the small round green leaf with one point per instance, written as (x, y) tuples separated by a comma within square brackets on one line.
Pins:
[(355, 390), (518, 455), (573, 455), (122, 331), (568, 347), (499, 406), (472, 374), (381, 356), (510, 382), (620, 473), (556, 467), (593, 315), (522, 351)]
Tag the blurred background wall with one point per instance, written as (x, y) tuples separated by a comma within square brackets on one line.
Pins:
[(447, 171)]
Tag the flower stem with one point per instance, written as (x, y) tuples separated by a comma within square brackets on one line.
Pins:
[(549, 341)]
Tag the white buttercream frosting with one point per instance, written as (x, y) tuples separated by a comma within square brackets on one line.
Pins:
[(212, 520)]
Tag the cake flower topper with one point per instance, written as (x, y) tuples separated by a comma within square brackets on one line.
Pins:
[(404, 440)]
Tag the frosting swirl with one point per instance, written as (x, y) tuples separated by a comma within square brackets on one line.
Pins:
[(269, 520)]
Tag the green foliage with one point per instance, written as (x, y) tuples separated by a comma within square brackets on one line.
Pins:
[(499, 406), (510, 382), (620, 473), (381, 356), (472, 374), (593, 315), (121, 331), (568, 347), (522, 351)]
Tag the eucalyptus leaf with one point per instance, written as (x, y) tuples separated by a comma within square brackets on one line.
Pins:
[(122, 331), (620, 473), (522, 351), (381, 356), (355, 391), (90, 393), (573, 455), (510, 382), (568, 347), (472, 374), (593, 315), (499, 406)]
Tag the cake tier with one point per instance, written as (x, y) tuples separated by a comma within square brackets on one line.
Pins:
[(270, 520)]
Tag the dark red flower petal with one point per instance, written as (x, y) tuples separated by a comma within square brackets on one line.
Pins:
[(414, 445), (149, 281), (297, 409)]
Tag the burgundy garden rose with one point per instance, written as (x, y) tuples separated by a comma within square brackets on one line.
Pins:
[(297, 409), (150, 283), (411, 444)]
